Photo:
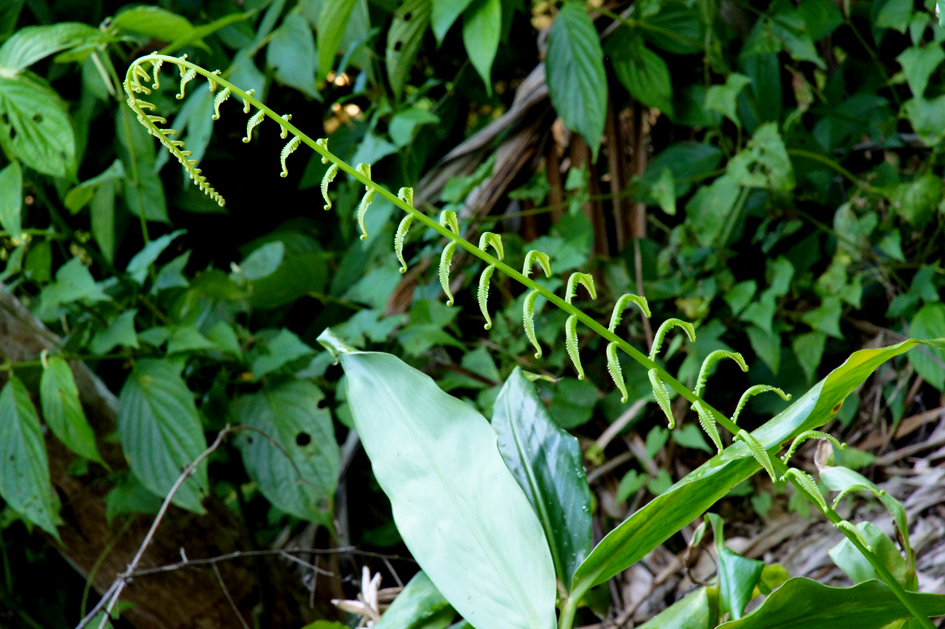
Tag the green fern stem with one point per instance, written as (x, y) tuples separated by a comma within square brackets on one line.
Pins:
[(602, 331)]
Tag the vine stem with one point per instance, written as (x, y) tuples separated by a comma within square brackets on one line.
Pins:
[(579, 589)]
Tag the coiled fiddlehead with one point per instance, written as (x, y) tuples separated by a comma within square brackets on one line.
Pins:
[(613, 360), (365, 169), (287, 150), (405, 195), (570, 326), (705, 417), (495, 241), (811, 434), (662, 396), (755, 390), (449, 220), (806, 483), (879, 493), (659, 387), (664, 329), (528, 308), (757, 451)]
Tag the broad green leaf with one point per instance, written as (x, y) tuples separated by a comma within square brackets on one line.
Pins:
[(188, 339), (482, 26), (574, 69), (283, 348), (444, 14), (35, 127), (686, 160), (858, 568), (11, 199), (916, 201), (154, 22), (300, 474), (696, 611), (130, 496), (721, 98), (697, 491), (403, 40), (710, 206), (663, 192), (809, 349), (642, 72), (31, 43), (145, 196), (417, 603), (332, 22), (688, 436), (102, 211), (826, 317), (918, 64), (291, 51), (788, 25), (822, 17), (454, 500), (263, 261), (62, 409), (767, 346), (138, 265), (927, 118), (73, 283), (120, 333), (548, 465), (171, 274), (737, 575), (24, 468), (929, 323), (79, 196), (404, 124), (676, 27), (764, 163), (802, 603), (161, 433), (196, 118), (225, 339), (295, 277)]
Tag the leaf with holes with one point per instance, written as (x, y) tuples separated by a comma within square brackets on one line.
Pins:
[(63, 411), (161, 433), (547, 463), (575, 73), (454, 500), (24, 467), (404, 39), (35, 127), (299, 472)]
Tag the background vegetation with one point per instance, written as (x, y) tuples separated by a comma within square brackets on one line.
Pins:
[(770, 171)]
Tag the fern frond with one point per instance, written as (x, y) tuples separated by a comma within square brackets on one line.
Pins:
[(806, 483), (252, 123), (622, 304), (445, 260), (758, 451), (662, 396), (528, 320), (708, 425), (855, 532), (327, 179), (449, 220), (323, 143), (755, 390), (155, 71), (399, 238), (879, 493), (494, 240), (287, 150), (668, 325), (362, 211), (247, 106), (541, 258), (484, 294), (713, 358), (616, 371), (811, 434), (218, 100), (580, 278), (406, 195), (186, 76), (285, 130), (571, 344)]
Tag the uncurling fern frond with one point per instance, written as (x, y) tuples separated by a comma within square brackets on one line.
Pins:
[(806, 483), (662, 396), (571, 344), (445, 259), (616, 371), (247, 106), (287, 150), (755, 390), (811, 434), (528, 320), (708, 425), (330, 175), (484, 294), (622, 304), (218, 100), (710, 360), (541, 258), (488, 239), (365, 169), (879, 493), (580, 278), (664, 329), (855, 532), (284, 133), (186, 76), (399, 238), (251, 124), (757, 451), (449, 220)]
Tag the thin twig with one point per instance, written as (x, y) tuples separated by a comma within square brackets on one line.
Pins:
[(229, 599)]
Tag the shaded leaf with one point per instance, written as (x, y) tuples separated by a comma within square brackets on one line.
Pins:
[(120, 333), (11, 199), (31, 43), (62, 409), (403, 40), (35, 127), (332, 22), (417, 603), (482, 25)]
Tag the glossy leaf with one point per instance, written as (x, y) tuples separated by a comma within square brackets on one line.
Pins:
[(548, 465), (444, 14), (300, 474), (417, 603), (161, 433), (696, 611), (849, 559), (62, 409), (691, 496), (737, 575), (24, 467), (482, 26), (802, 603), (574, 67), (453, 499)]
